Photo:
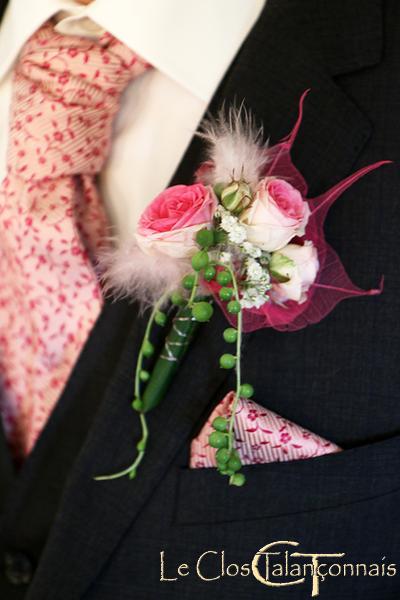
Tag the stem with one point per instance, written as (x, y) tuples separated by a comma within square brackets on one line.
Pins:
[(194, 290), (238, 359), (131, 470), (149, 326)]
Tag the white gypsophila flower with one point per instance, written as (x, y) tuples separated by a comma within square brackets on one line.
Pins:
[(237, 235), (254, 270), (228, 223), (217, 213), (259, 283), (246, 303), (221, 211), (253, 298), (251, 250)]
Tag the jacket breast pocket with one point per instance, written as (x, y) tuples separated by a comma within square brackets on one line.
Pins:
[(278, 489)]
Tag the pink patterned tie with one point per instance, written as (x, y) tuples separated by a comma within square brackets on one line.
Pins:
[(65, 95), (262, 436)]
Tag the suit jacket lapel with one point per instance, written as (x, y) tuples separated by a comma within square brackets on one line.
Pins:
[(271, 78), (293, 47)]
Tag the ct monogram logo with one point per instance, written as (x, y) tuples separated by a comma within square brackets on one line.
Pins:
[(263, 572)]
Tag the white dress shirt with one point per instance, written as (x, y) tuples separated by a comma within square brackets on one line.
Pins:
[(190, 44)]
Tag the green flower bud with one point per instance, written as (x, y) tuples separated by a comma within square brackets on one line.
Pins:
[(237, 196), (281, 267), (218, 189)]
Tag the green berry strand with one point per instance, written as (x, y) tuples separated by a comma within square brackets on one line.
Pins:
[(188, 282), (147, 349), (234, 463), (230, 335), (225, 294), (224, 277), (234, 307), (238, 479), (218, 440), (144, 375), (202, 311), (220, 424), (246, 390), (137, 404), (227, 361), (160, 318), (209, 273), (222, 456), (200, 260), (177, 299)]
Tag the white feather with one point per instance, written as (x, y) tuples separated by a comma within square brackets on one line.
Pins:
[(235, 147), (128, 272)]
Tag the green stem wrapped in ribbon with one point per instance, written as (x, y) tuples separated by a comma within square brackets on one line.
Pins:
[(175, 347)]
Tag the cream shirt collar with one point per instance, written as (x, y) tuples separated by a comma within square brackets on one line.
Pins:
[(191, 41)]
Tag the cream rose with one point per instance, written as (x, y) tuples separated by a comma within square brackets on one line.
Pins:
[(277, 215), (296, 269)]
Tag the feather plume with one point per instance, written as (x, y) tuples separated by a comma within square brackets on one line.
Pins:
[(235, 146), (129, 272)]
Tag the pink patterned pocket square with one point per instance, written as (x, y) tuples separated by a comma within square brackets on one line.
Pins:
[(262, 436)]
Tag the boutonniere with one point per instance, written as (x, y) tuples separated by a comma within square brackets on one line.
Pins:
[(245, 239)]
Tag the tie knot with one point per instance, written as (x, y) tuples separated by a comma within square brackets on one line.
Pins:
[(66, 93)]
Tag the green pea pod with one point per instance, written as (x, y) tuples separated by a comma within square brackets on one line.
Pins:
[(175, 347)]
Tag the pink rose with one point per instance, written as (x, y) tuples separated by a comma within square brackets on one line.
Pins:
[(299, 266), (170, 223), (277, 215)]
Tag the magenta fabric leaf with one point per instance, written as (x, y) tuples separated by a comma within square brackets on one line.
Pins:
[(332, 283)]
